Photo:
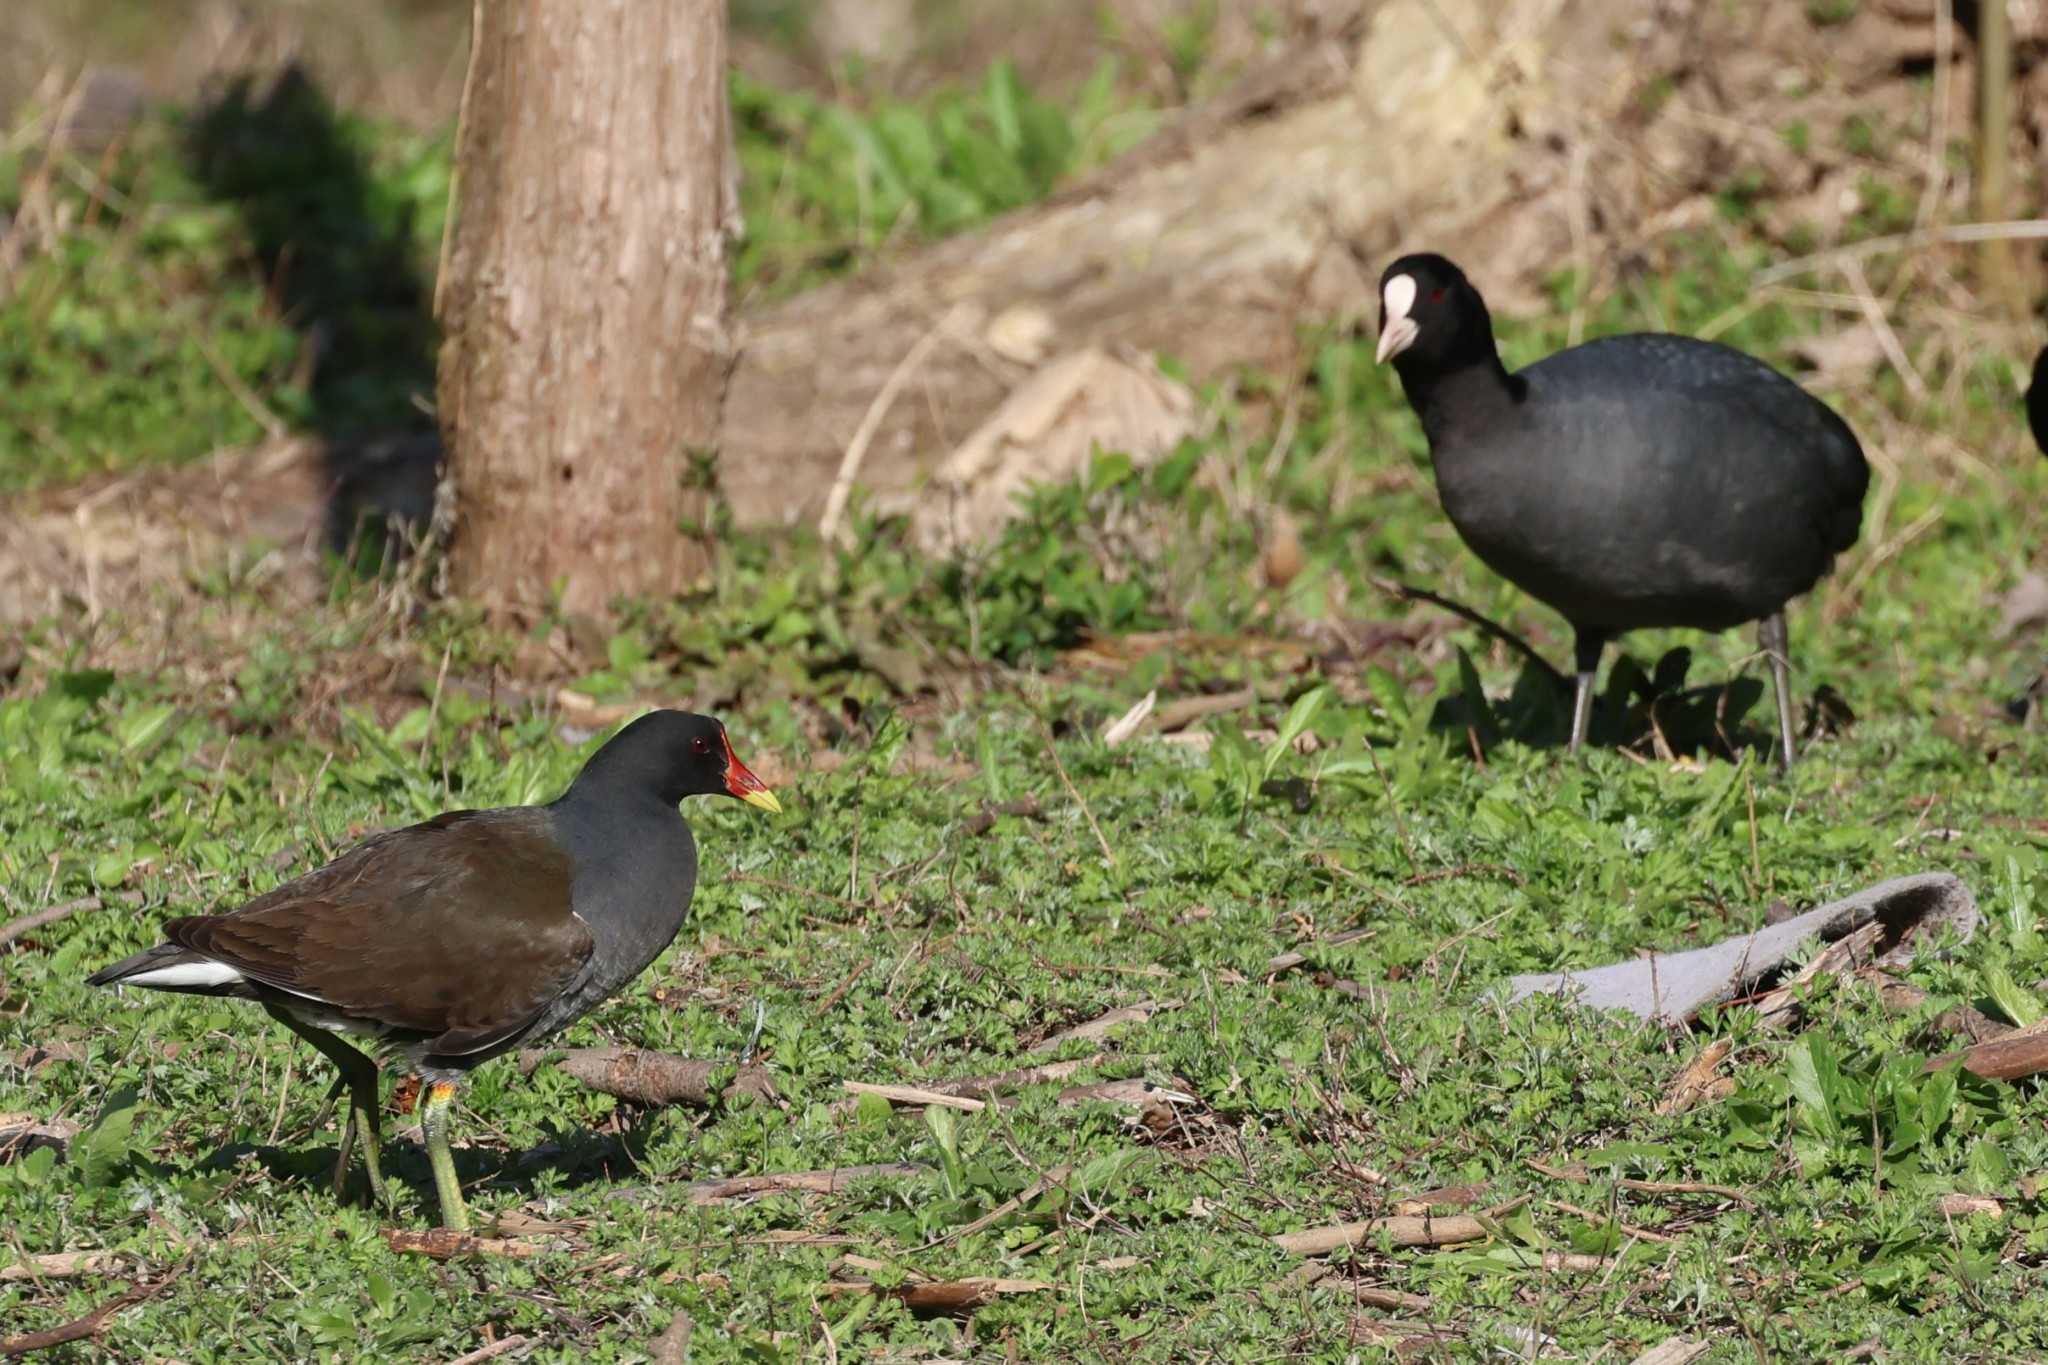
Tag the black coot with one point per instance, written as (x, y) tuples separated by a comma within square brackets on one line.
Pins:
[(1642, 480)]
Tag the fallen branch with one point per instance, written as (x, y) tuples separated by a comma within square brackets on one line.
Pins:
[(2013, 1057), (1287, 962), (1098, 1028), (983, 820), (645, 1077), (1903, 997), (672, 1347), (1051, 1179), (1318, 1275), (1133, 1090), (1577, 1173), (87, 1327), (1673, 1351), (48, 915), (1777, 1008), (801, 1182), (940, 1296), (1060, 769), (1445, 1197), (503, 1346), (445, 1244), (1179, 714), (1687, 1187), (59, 1265), (1002, 1082), (1601, 1220), (910, 1094), (1371, 1296), (1402, 1230), (1963, 1205), (993, 1088)]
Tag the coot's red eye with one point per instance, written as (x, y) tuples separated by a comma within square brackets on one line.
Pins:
[(700, 745), (1436, 296)]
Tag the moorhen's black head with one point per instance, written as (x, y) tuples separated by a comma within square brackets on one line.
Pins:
[(671, 755), (1431, 318)]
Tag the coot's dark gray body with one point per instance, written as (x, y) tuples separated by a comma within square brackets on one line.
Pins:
[(1635, 481), (1651, 480)]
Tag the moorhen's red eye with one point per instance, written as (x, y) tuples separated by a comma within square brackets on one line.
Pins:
[(700, 745)]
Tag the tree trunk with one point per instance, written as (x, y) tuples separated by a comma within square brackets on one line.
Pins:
[(586, 349)]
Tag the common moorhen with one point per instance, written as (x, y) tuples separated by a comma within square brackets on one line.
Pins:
[(1635, 481), (450, 942)]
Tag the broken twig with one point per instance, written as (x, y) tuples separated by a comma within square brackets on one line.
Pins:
[(910, 1094), (941, 1296), (1097, 1028), (1402, 1230), (645, 1077), (445, 1244), (48, 915)]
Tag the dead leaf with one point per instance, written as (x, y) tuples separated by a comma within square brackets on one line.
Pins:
[(1700, 1082), (1963, 1205)]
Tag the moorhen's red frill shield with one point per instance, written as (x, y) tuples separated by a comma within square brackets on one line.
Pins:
[(450, 942)]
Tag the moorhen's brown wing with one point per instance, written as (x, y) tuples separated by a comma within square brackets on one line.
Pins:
[(459, 931)]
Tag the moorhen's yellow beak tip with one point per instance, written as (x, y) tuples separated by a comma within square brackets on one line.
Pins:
[(763, 798)]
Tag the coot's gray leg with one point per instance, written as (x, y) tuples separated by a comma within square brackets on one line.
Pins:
[(1586, 662), (1771, 637)]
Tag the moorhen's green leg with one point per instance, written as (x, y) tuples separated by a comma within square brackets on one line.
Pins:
[(359, 1074), (1586, 662), (434, 1127), (1775, 641)]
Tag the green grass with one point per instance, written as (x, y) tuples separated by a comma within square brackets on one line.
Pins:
[(888, 942), (187, 752)]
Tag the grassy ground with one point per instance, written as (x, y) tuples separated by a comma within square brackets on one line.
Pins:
[(187, 752), (890, 941)]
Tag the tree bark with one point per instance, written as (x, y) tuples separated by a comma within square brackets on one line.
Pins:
[(586, 348)]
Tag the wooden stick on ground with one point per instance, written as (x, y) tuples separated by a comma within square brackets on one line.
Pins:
[(88, 1327), (503, 1346), (910, 1094), (1098, 1027), (1402, 1230), (1903, 997), (55, 1265), (941, 1296), (2010, 1058), (800, 1182), (645, 1077), (28, 924)]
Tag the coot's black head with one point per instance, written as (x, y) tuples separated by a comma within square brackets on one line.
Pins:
[(1431, 318), (669, 755)]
